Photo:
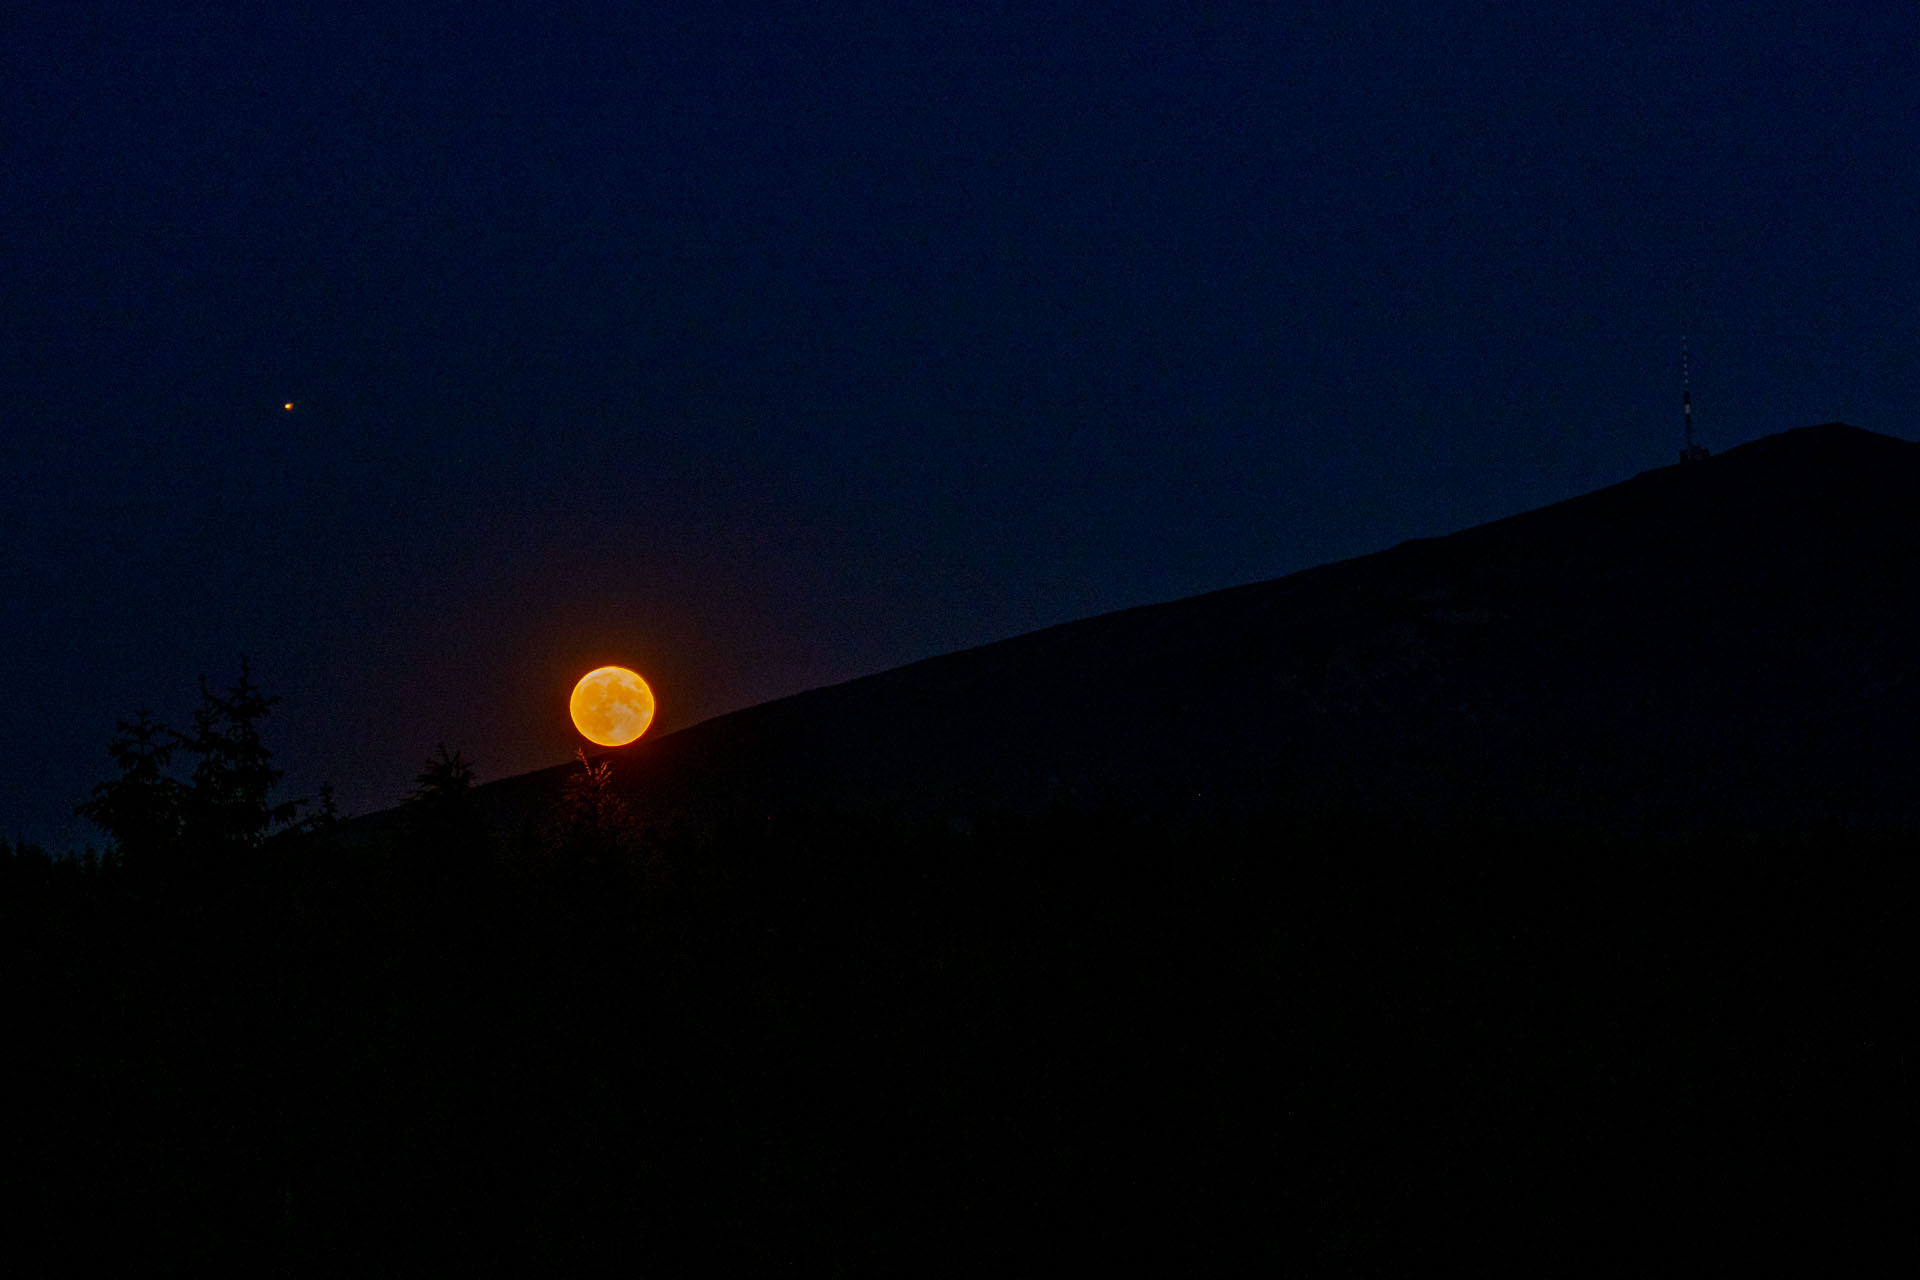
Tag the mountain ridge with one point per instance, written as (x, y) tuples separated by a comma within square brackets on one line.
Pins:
[(1713, 644)]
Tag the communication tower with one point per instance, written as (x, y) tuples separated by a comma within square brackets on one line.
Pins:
[(1693, 452)]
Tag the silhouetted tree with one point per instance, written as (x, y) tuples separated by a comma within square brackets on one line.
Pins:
[(142, 810), (23, 859), (593, 825), (227, 804), (327, 816), (445, 830), (442, 783)]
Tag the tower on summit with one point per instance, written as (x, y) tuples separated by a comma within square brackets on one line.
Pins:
[(1692, 452)]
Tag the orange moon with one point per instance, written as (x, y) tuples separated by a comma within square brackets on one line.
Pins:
[(611, 706)]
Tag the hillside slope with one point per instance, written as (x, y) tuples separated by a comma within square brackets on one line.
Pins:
[(1720, 644)]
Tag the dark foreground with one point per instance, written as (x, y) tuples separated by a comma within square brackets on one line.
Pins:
[(814, 1041)]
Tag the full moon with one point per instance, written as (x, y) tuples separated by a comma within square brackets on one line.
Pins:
[(611, 706)]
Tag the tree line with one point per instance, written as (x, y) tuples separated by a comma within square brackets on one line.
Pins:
[(198, 797), (764, 1040)]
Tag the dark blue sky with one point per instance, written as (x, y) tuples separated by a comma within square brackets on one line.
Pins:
[(762, 348)]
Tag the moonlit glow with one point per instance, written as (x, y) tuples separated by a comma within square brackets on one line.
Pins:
[(611, 706)]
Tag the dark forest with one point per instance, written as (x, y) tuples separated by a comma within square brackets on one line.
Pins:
[(808, 1038)]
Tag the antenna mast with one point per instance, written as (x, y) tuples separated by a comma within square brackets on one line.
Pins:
[(1693, 452)]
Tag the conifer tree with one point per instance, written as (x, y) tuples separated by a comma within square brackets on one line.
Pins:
[(225, 803), (442, 783), (594, 825), (142, 810), (233, 776), (440, 818)]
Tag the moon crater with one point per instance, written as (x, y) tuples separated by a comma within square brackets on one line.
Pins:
[(611, 706)]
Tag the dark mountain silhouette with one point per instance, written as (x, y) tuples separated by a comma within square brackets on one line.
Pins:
[(1189, 979), (1725, 644)]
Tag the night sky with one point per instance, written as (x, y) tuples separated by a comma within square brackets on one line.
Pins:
[(764, 348)]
